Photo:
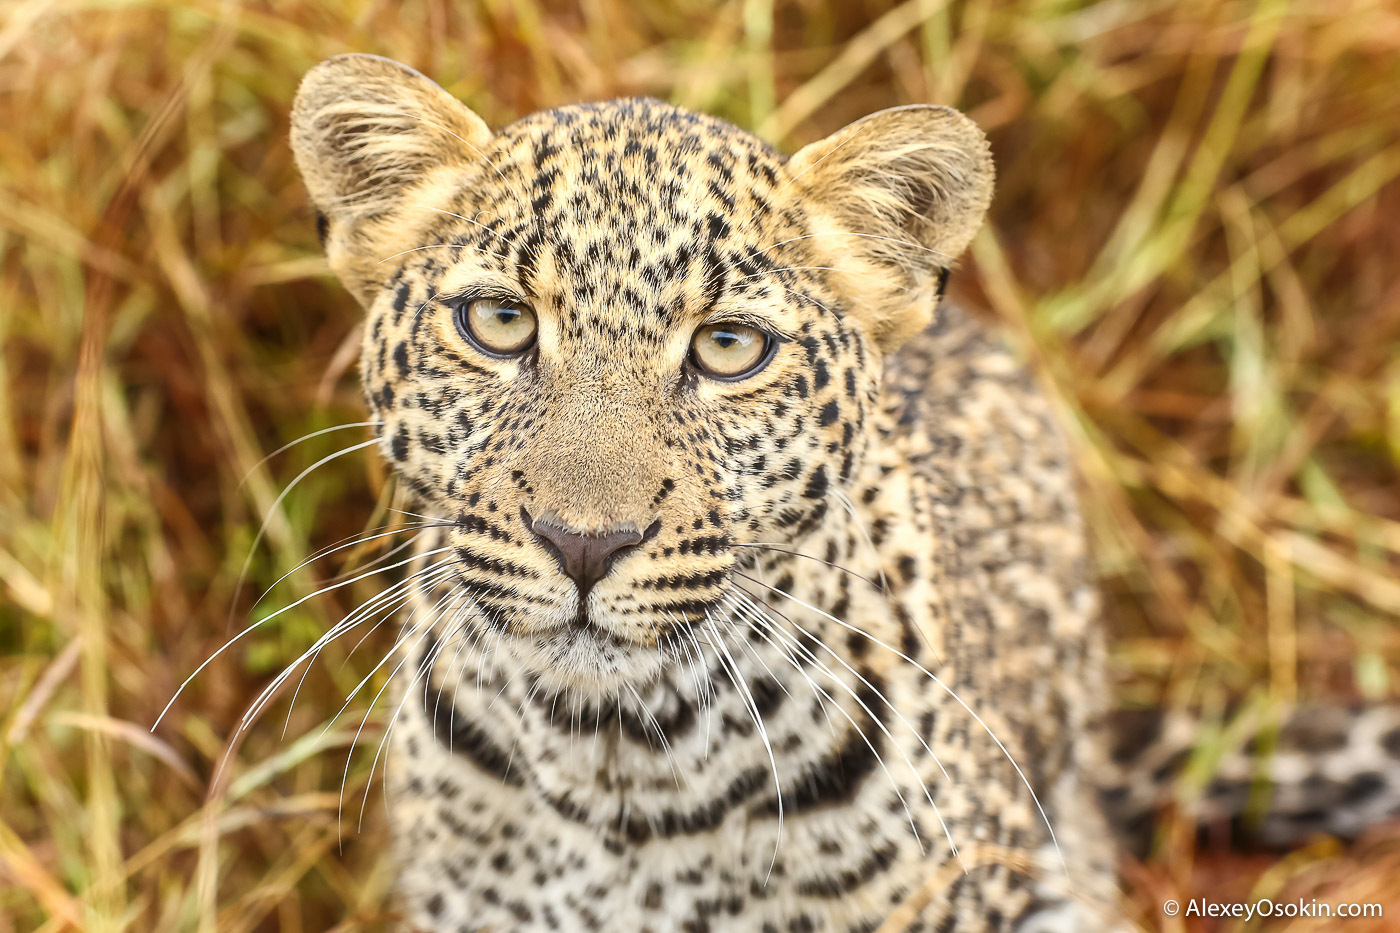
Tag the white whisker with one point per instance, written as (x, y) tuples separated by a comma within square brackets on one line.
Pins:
[(424, 668), (277, 504), (340, 546), (305, 437), (758, 615), (232, 641), (958, 699), (766, 624), (732, 669)]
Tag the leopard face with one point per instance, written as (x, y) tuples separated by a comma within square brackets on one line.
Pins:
[(619, 348)]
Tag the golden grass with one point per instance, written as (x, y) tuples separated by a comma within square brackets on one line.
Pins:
[(1195, 240)]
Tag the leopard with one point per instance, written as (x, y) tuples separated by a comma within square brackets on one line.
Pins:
[(753, 592)]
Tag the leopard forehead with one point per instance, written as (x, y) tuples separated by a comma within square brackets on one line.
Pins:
[(626, 218)]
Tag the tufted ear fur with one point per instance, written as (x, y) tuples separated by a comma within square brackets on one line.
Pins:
[(375, 141), (912, 185)]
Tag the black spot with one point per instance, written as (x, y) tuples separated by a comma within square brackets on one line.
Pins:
[(844, 882), (907, 568), (835, 779), (1133, 731), (456, 732), (1364, 786), (1391, 742), (401, 300)]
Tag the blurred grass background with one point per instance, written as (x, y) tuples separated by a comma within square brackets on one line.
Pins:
[(1195, 240)]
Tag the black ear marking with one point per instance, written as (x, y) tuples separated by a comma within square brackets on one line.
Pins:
[(943, 281), (323, 228)]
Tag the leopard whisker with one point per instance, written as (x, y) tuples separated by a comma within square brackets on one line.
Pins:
[(254, 710), (463, 638), (478, 634), (851, 510), (305, 437), (704, 695), (345, 776), (913, 826), (389, 554), (782, 649), (703, 686), (761, 614), (424, 629), (404, 252), (864, 275), (384, 603), (710, 693), (424, 667), (956, 698), (235, 639), (398, 511), (755, 275), (444, 571), (834, 566), (277, 504), (529, 696), (505, 685), (472, 221), (419, 529), (787, 656), (732, 670), (754, 602), (515, 742), (660, 734), (597, 728), (341, 545), (407, 629)]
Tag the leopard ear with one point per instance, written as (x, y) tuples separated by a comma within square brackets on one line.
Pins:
[(901, 193), (374, 140)]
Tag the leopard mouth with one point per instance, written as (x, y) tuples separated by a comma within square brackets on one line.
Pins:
[(584, 628)]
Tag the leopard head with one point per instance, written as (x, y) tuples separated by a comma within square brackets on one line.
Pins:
[(618, 345)]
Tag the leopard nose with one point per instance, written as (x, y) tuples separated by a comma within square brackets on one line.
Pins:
[(584, 558)]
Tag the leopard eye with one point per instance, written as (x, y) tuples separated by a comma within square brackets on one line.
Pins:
[(730, 351), (497, 327)]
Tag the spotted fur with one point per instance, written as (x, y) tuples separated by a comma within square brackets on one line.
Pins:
[(852, 669)]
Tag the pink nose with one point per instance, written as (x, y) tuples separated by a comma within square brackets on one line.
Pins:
[(584, 558)]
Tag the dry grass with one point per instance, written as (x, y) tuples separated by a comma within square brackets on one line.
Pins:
[(1195, 239)]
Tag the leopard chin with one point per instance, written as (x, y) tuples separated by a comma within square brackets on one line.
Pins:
[(584, 659)]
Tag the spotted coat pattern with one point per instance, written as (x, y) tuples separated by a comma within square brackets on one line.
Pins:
[(848, 679), (854, 655)]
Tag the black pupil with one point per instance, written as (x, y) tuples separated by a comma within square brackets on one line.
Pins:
[(725, 339), (507, 316)]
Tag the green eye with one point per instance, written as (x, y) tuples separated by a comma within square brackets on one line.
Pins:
[(497, 327), (730, 351)]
